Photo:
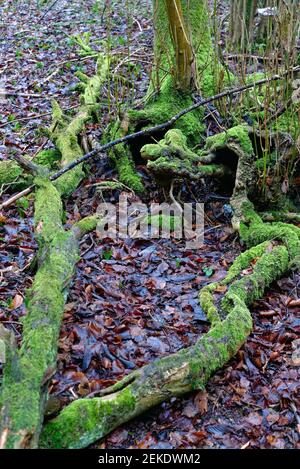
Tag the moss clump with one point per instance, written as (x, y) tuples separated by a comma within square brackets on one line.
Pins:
[(253, 231), (208, 71), (252, 287), (125, 166), (289, 122), (166, 104), (48, 211), (238, 134)]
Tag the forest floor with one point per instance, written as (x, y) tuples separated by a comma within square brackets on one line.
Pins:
[(135, 300)]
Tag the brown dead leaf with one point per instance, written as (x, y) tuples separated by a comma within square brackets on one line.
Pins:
[(17, 301), (3, 219)]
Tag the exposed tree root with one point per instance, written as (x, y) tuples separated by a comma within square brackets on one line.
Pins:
[(272, 250), (13, 174), (86, 420)]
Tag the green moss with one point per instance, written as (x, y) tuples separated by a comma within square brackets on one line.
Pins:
[(122, 159), (48, 158), (23, 379), (160, 221), (217, 346), (207, 303), (238, 134), (85, 225), (126, 170), (48, 211), (208, 70), (11, 173), (87, 420), (171, 156)]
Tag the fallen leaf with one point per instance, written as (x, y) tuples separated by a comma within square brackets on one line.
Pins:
[(190, 410), (17, 301), (201, 402)]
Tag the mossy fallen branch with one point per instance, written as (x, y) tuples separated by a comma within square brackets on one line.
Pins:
[(26, 374), (12, 174)]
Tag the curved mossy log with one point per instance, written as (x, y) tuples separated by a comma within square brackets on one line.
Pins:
[(28, 370), (87, 420)]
